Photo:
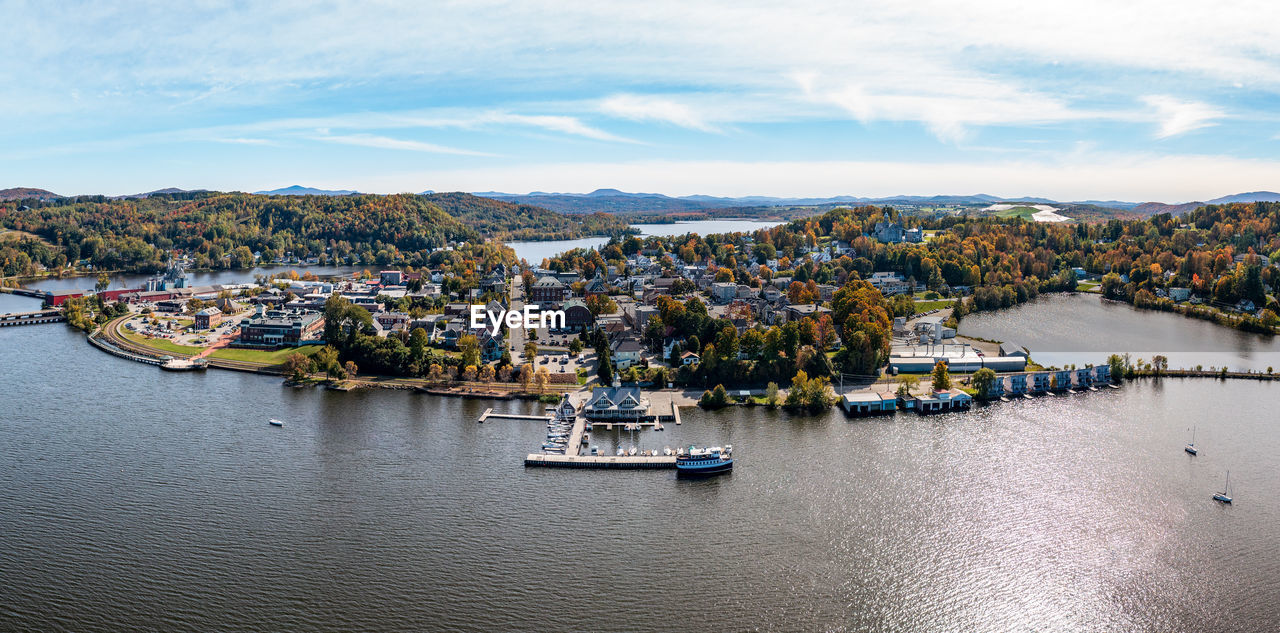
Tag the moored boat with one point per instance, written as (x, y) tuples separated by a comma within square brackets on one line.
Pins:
[(697, 462), (275, 422)]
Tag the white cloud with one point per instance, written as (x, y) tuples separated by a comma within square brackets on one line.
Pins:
[(384, 142), (1179, 117), (652, 108)]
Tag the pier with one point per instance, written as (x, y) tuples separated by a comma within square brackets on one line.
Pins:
[(573, 457), (490, 415), (32, 318)]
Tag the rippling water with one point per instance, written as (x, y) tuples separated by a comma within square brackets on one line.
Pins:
[(133, 499), (1063, 329)]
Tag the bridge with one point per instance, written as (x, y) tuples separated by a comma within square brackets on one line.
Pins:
[(31, 318), (25, 292)]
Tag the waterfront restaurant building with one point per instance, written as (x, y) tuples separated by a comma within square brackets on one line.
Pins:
[(623, 404)]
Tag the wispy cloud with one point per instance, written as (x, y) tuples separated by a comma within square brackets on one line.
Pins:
[(652, 108), (385, 142), (1179, 117)]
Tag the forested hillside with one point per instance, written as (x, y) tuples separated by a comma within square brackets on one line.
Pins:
[(224, 230)]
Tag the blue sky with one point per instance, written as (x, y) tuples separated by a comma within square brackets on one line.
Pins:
[(1168, 101)]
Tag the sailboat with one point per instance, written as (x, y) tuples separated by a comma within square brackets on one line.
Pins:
[(1191, 448), (1224, 496)]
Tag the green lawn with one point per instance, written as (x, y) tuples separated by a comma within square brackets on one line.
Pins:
[(1088, 286), (161, 344), (270, 357), (925, 306)]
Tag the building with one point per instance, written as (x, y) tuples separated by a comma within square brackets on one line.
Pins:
[(689, 358), (1041, 382), (889, 283), (889, 232), (623, 404), (1179, 294), (208, 318), (724, 292), (869, 403), (548, 290), (1018, 384), (391, 278), (55, 298), (942, 401), (577, 315), (1102, 373), (626, 352), (273, 328), (1009, 348)]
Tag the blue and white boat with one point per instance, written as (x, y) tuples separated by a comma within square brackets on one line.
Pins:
[(699, 462), (1225, 495)]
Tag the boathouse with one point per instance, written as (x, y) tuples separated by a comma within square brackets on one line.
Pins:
[(869, 402), (1018, 384), (1062, 380), (1084, 377), (1040, 382), (941, 401), (1102, 373), (996, 389)]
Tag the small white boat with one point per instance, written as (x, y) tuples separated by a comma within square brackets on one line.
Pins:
[(666, 451), (621, 452), (632, 452), (275, 422), (1191, 448), (1225, 495)]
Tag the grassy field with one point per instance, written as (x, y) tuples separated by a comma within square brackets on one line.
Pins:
[(925, 306), (270, 357), (164, 345), (1088, 286)]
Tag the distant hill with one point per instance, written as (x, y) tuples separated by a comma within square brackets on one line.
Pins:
[(299, 190), (24, 193), (170, 191), (1148, 209), (616, 201), (1252, 196)]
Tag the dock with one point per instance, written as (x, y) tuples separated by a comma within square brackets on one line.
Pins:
[(601, 461), (32, 318), (490, 415)]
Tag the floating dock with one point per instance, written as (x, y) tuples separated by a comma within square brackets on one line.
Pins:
[(600, 461), (490, 415)]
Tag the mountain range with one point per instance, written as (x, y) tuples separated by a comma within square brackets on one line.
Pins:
[(622, 202)]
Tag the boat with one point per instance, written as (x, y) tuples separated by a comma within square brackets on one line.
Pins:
[(701, 462), (667, 451), (275, 422), (1191, 448), (586, 438), (1224, 496), (632, 452), (621, 452)]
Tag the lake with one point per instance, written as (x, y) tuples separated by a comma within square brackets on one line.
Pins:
[(535, 252), (136, 499), (1062, 329), (196, 278)]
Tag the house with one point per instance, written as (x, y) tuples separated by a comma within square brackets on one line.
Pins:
[(208, 318), (798, 311), (689, 358), (913, 236), (1179, 294), (996, 389), (1102, 373), (626, 352), (889, 283), (549, 290), (1062, 380), (624, 404), (723, 292), (596, 286), (391, 321), (640, 317)]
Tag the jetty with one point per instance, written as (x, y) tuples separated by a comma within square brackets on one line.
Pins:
[(490, 415), (573, 457)]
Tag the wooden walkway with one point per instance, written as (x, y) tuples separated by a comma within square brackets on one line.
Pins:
[(600, 461), (490, 415)]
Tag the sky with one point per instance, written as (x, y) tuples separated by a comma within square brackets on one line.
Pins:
[(1140, 101)]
